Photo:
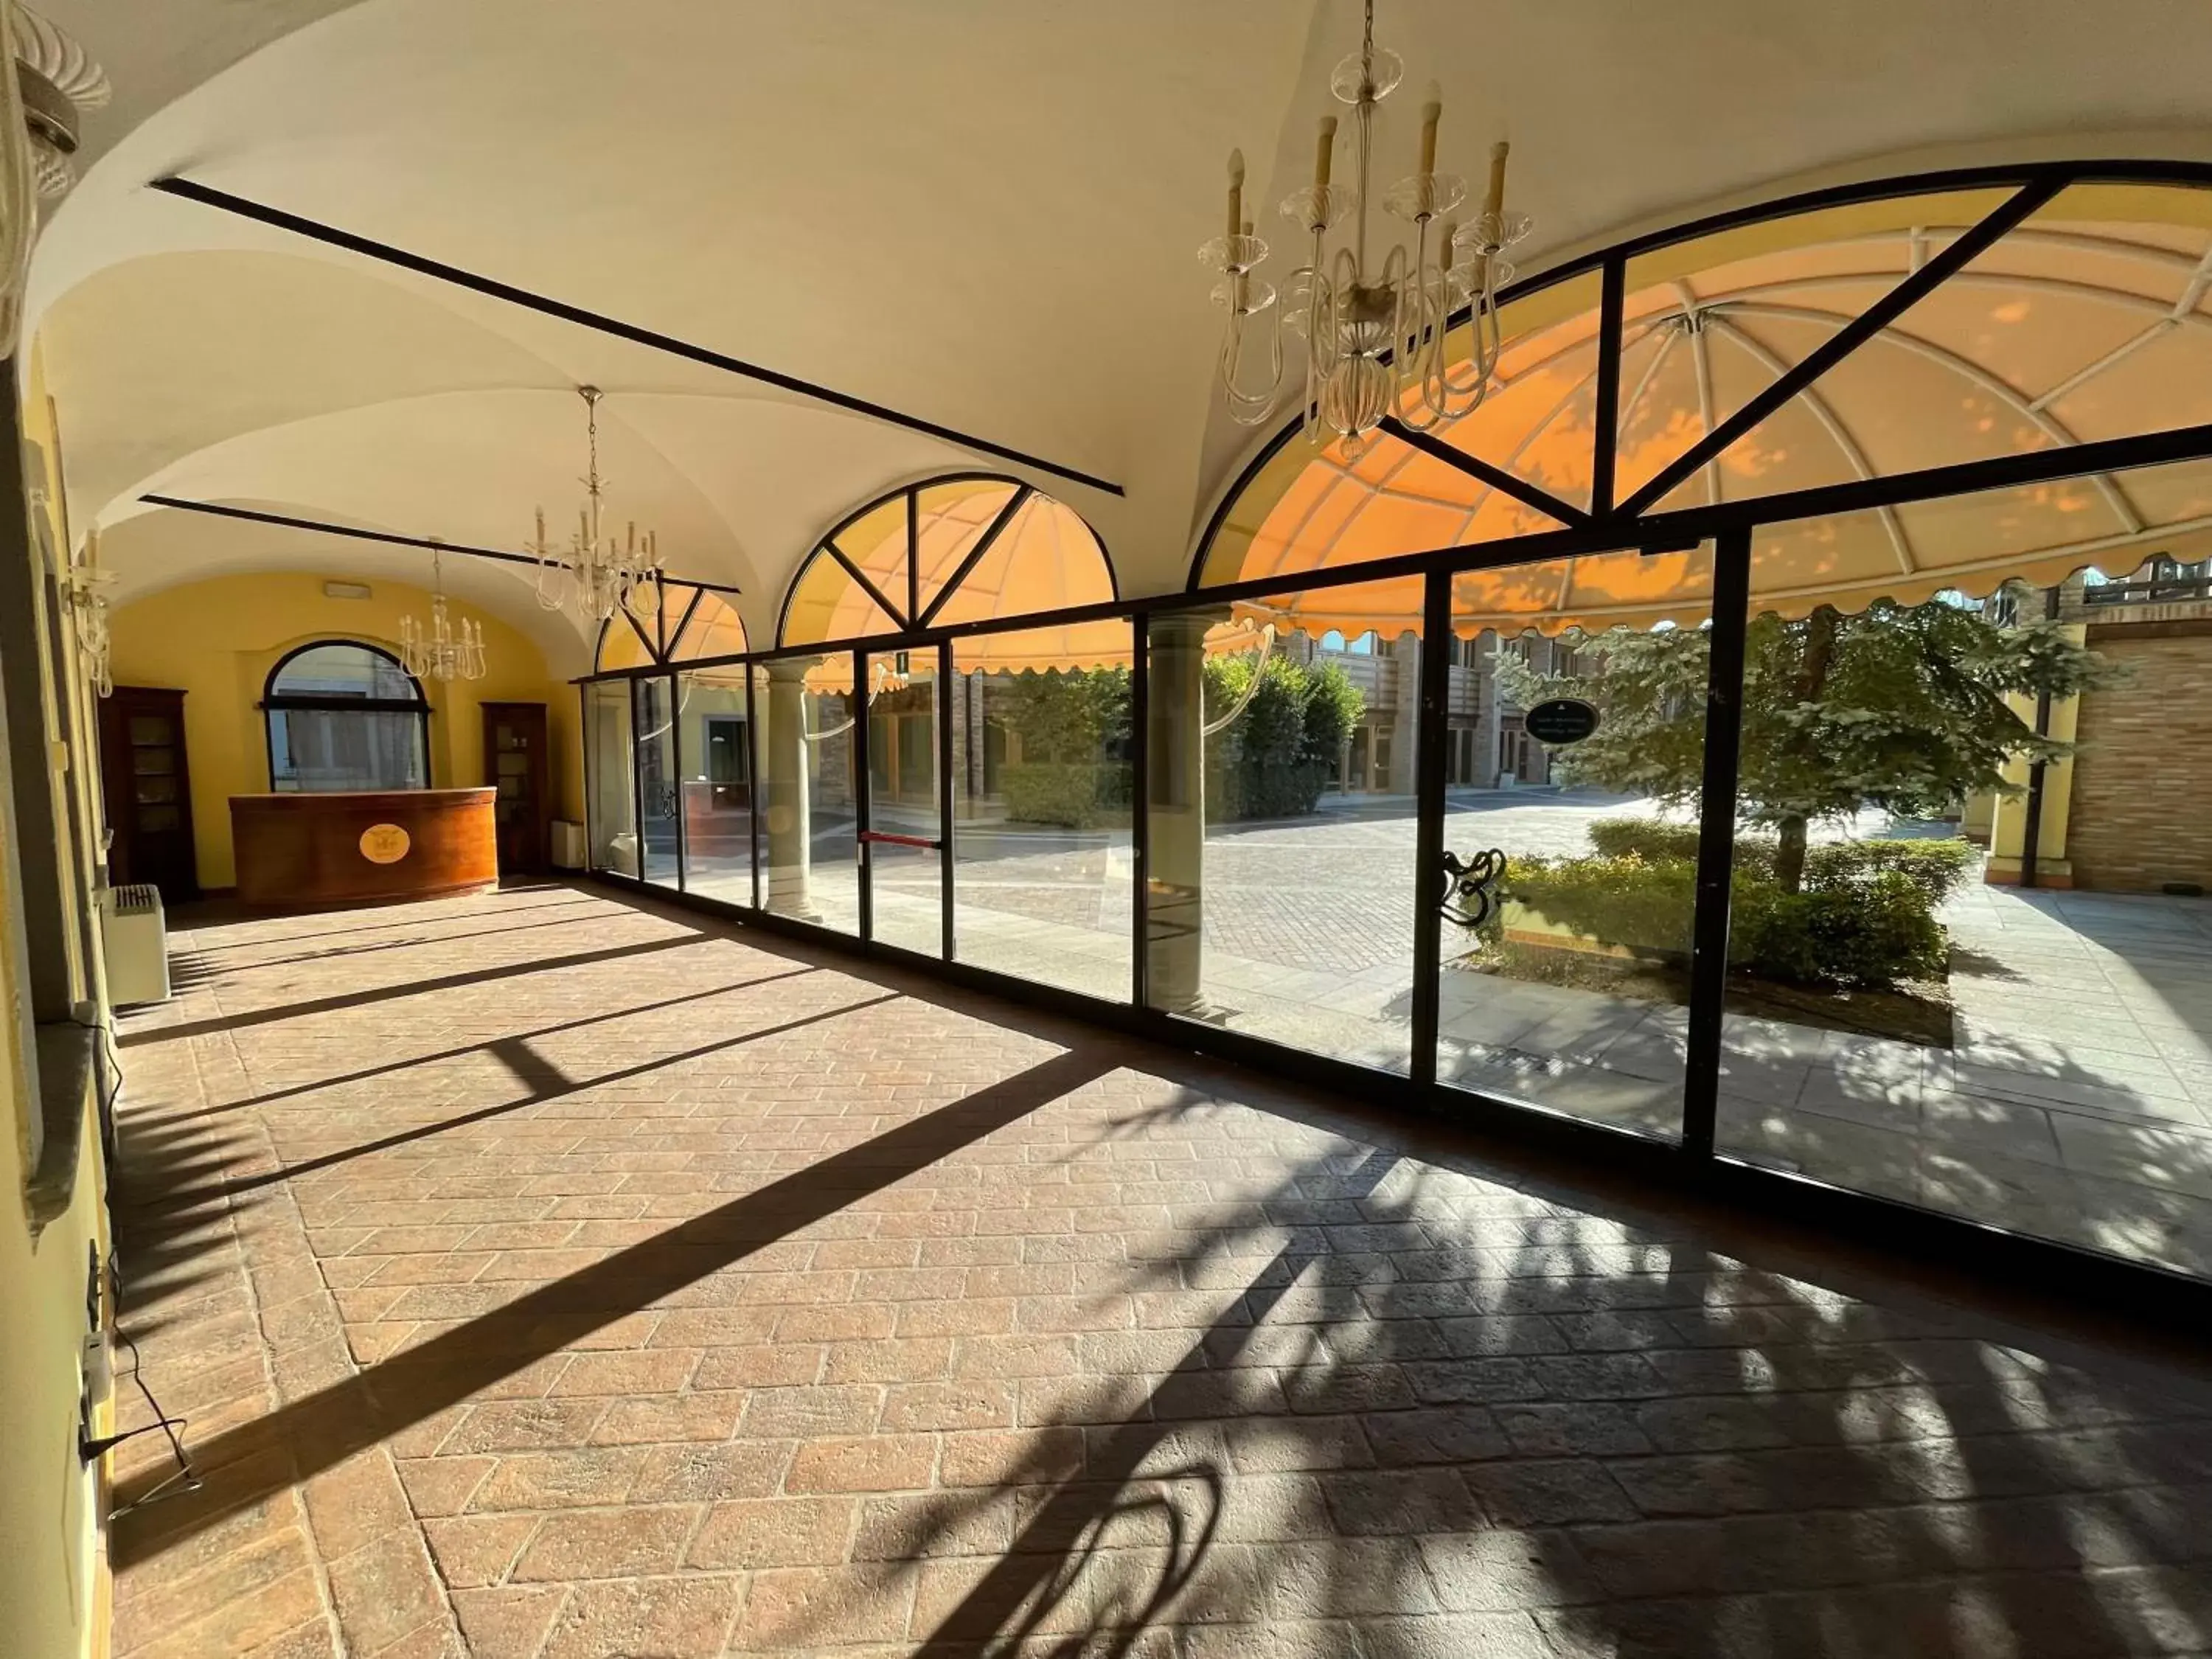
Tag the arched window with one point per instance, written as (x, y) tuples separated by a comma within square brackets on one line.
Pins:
[(345, 716), (691, 623), (956, 550), (2084, 321)]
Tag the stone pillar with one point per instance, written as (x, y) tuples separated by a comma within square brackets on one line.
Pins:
[(788, 766), (1175, 812)]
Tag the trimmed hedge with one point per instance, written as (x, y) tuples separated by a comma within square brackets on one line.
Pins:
[(1866, 916), (1936, 867), (1078, 794)]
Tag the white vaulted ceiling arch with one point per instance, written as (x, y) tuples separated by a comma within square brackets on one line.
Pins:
[(979, 212)]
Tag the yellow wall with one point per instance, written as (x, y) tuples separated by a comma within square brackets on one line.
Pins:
[(53, 1580), (50, 1587), (217, 639), (2008, 812)]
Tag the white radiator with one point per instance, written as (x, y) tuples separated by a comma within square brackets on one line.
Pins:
[(568, 848), (135, 937)]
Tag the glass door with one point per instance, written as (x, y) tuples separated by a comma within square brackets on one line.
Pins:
[(1567, 877), (903, 830), (661, 829)]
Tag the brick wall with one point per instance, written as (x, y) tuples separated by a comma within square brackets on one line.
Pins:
[(2142, 779)]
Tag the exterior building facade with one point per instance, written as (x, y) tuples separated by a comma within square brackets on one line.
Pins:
[(2130, 810)]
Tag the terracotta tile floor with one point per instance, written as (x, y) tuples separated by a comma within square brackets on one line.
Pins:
[(544, 1275)]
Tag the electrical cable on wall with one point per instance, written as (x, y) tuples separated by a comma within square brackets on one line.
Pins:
[(185, 1478)]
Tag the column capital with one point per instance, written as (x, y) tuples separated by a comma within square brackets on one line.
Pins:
[(1184, 629), (793, 671)]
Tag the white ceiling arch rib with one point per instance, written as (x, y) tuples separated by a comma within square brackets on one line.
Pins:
[(980, 210)]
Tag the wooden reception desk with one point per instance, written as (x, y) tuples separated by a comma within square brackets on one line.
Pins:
[(317, 851)]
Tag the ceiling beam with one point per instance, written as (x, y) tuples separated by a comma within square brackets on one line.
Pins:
[(208, 196), (323, 526)]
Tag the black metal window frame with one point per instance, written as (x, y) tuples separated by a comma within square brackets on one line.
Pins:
[(660, 643), (914, 617), (275, 702), (1694, 1160)]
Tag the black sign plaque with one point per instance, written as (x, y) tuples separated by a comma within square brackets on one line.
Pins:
[(1563, 719)]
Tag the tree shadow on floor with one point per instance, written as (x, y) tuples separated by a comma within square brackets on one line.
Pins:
[(1436, 1415)]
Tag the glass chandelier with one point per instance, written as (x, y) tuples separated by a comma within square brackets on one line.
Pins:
[(441, 652), (596, 574), (1374, 333)]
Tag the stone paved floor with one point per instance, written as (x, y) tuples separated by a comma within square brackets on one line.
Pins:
[(546, 1275)]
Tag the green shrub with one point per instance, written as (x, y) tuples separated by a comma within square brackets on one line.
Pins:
[(1870, 934), (1275, 758), (1079, 794), (1639, 905), (1649, 839), (1865, 925), (1655, 841), (1936, 868), (1271, 761)]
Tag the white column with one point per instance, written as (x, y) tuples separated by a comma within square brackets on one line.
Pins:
[(788, 767), (1176, 811)]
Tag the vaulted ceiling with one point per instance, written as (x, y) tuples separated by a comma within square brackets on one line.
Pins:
[(980, 212)]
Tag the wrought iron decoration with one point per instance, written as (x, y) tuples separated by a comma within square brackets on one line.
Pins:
[(1471, 887)]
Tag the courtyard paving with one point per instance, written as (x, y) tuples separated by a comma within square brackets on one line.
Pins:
[(552, 1276)]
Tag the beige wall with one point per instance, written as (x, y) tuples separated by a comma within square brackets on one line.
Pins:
[(52, 1576), (218, 641)]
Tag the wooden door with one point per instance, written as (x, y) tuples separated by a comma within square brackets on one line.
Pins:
[(148, 789), (516, 764)]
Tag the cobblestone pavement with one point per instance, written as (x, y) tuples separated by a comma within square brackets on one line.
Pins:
[(545, 1275)]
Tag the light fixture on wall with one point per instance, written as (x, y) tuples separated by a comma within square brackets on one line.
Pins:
[(1375, 331), (596, 574), (81, 582), (53, 80), (441, 652)]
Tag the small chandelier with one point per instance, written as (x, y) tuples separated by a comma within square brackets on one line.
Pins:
[(441, 652), (81, 582), (596, 574), (1375, 334)]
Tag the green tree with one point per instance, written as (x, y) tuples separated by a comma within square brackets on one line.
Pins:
[(1271, 760), (1274, 759), (1894, 706)]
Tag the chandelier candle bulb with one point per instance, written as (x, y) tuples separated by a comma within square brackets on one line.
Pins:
[(1494, 204), (1375, 322), (1236, 191)]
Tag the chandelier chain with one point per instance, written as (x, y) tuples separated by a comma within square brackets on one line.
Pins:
[(596, 575)]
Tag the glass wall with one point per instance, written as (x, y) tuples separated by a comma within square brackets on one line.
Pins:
[(612, 808), (655, 724), (717, 750), (1281, 816), (906, 874), (1971, 952), (1566, 974), (803, 712), (1043, 775)]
